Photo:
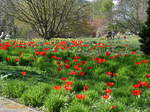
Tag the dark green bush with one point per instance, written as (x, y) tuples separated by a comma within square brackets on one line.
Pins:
[(145, 35)]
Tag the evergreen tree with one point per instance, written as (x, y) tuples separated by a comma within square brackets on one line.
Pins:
[(145, 34)]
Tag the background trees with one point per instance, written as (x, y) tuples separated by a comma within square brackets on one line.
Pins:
[(49, 18), (145, 34), (71, 18), (6, 21), (129, 15)]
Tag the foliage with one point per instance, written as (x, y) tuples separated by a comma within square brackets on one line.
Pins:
[(145, 35), (35, 95), (14, 89)]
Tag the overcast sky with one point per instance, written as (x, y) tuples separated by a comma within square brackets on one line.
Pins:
[(115, 1)]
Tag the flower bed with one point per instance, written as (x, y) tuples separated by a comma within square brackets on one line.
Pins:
[(63, 75)]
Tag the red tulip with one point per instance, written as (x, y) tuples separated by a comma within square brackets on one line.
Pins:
[(110, 84), (17, 60), (69, 83), (106, 97), (80, 96), (23, 73), (148, 75), (107, 91), (108, 53), (85, 88), (136, 92), (63, 78), (136, 86), (68, 88), (57, 87)]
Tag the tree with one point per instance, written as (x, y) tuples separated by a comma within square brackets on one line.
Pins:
[(49, 18), (130, 15), (101, 15), (145, 34), (6, 21)]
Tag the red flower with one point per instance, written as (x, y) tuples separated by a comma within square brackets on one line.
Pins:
[(108, 53), (75, 60), (148, 75), (67, 66), (57, 87), (66, 61), (107, 91), (76, 57), (136, 92), (68, 88), (43, 53), (85, 88), (59, 69), (136, 86), (58, 58), (106, 97), (145, 61), (46, 49), (111, 74), (90, 68), (54, 57), (69, 83), (7, 59), (73, 73), (100, 60), (77, 67), (82, 73), (148, 86), (23, 73), (113, 107), (83, 62), (80, 96), (63, 78), (17, 60), (110, 84), (143, 83), (85, 45), (112, 57), (138, 63), (133, 52)]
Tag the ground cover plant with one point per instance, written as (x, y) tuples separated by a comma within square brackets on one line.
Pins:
[(76, 75)]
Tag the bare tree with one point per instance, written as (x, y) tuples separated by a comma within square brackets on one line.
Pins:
[(49, 18)]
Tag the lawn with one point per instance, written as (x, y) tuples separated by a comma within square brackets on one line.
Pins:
[(76, 75)]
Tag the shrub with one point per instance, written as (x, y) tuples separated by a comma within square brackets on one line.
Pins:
[(145, 35), (55, 102), (35, 96), (79, 107), (14, 89)]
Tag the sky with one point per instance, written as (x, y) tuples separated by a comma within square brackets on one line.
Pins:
[(115, 1)]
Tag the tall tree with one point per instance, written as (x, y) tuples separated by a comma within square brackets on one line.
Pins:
[(6, 21), (145, 34), (49, 18), (130, 14)]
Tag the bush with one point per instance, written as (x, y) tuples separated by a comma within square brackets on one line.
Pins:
[(55, 102), (35, 96), (145, 35), (79, 107), (14, 89)]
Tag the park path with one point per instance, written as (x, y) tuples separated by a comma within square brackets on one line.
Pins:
[(7, 105)]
